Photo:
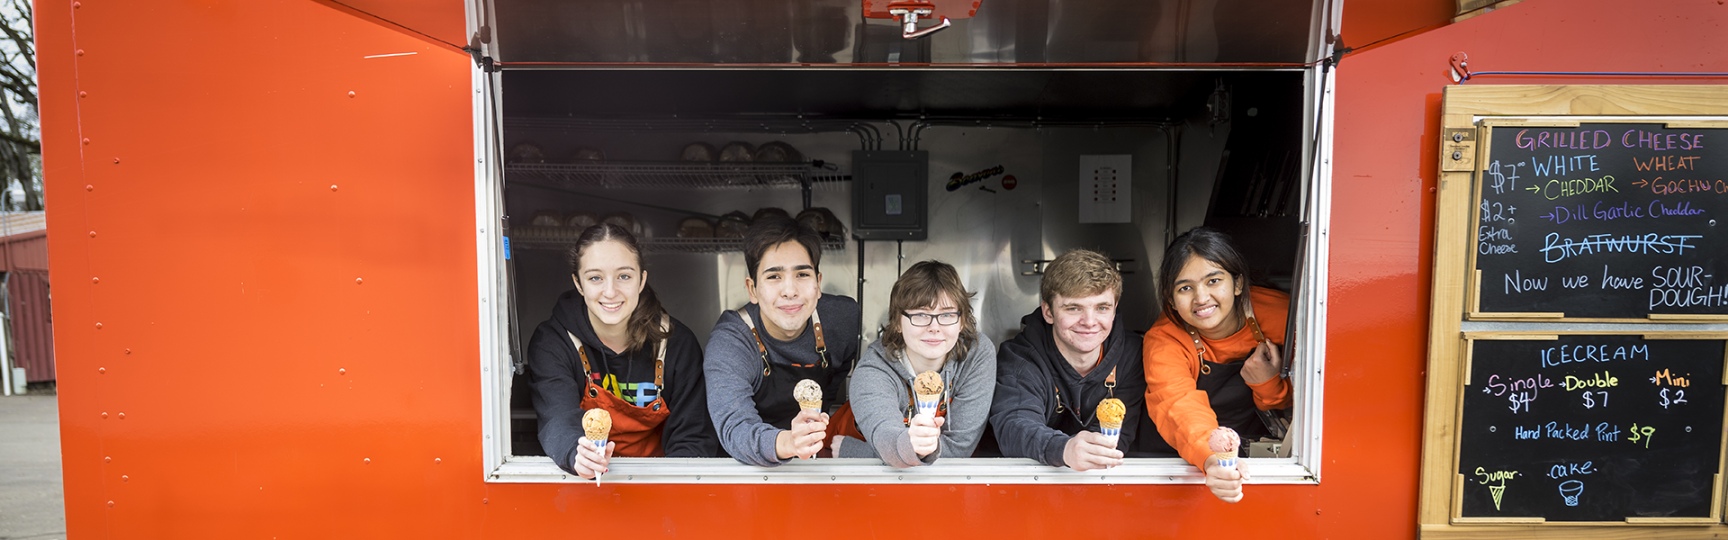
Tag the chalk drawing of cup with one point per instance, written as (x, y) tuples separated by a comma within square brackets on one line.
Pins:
[(1570, 490)]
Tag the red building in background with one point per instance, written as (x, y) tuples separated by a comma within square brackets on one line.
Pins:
[(24, 259)]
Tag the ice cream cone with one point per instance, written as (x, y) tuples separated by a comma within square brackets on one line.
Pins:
[(1224, 443), (1111, 413), (808, 394), (927, 390), (597, 426)]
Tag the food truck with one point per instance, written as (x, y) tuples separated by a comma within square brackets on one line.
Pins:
[(300, 245)]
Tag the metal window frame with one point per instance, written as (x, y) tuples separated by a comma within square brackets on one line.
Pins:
[(495, 362)]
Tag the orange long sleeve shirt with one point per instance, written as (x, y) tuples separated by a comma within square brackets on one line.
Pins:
[(1182, 412)]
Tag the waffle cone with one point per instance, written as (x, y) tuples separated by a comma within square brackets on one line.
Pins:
[(812, 405), (1225, 459)]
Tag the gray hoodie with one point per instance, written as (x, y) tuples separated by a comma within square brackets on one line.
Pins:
[(882, 388)]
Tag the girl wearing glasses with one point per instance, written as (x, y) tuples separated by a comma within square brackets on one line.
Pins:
[(930, 328)]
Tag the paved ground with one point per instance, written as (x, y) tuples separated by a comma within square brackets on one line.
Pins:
[(32, 502)]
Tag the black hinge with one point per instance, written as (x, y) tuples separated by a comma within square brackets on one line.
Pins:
[(474, 49)]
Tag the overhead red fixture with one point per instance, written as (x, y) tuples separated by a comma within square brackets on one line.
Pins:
[(910, 12)]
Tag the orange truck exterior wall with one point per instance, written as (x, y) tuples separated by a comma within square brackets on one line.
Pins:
[(267, 311)]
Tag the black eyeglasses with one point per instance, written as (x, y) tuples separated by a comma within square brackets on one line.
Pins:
[(923, 319)]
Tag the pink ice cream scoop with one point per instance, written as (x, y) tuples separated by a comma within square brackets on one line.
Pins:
[(1224, 443)]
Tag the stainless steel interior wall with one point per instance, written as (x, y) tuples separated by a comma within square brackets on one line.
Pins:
[(984, 229)]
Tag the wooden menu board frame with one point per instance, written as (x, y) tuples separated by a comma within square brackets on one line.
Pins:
[(1459, 153)]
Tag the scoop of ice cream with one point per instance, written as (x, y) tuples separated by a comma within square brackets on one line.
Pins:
[(1112, 411), (1224, 440), (597, 424), (807, 391), (928, 383)]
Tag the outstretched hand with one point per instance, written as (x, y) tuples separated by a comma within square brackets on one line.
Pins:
[(804, 440), (1226, 482), (590, 461), (926, 433), (1088, 450)]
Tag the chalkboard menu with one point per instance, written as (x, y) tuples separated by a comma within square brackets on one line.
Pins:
[(1602, 221), (1591, 428)]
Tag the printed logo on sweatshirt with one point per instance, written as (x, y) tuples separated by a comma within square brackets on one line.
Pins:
[(638, 394)]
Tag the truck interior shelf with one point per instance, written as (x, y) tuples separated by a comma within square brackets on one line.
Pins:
[(562, 238), (670, 175)]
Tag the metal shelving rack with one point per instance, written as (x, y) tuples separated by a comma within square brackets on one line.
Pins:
[(663, 176)]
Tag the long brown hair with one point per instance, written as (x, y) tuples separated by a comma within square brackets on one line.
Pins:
[(922, 285), (644, 323)]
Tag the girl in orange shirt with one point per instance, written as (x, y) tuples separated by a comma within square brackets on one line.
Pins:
[(1210, 361)]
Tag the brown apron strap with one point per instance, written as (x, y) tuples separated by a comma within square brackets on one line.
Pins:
[(581, 353), (660, 351), (821, 345), (761, 348)]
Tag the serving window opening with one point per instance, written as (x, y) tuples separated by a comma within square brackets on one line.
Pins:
[(1010, 159)]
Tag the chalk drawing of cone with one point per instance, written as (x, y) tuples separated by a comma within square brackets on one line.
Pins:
[(1570, 490)]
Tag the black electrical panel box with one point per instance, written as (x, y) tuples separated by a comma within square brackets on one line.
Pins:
[(889, 194)]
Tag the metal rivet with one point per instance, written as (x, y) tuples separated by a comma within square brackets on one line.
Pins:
[(358, 281), (86, 140), (128, 351), (116, 161), (1457, 156), (1458, 137), (106, 459), (104, 415), (92, 234), (341, 371), (83, 94), (95, 280), (485, 501), (76, 5), (110, 504), (98, 326), (367, 461), (101, 370), (89, 187), (332, 187), (124, 478), (350, 93), (122, 416), (79, 52), (436, 461)]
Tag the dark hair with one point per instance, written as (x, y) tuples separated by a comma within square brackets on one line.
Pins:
[(644, 322), (922, 285), (1206, 243), (1079, 273), (772, 230)]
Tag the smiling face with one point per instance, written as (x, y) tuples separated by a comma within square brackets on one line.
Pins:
[(610, 278), (1080, 325), (1205, 297), (786, 287), (931, 343)]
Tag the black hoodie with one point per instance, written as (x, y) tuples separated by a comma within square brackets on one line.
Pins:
[(1029, 368), (556, 372)]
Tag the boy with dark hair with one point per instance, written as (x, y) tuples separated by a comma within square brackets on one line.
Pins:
[(789, 331)]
